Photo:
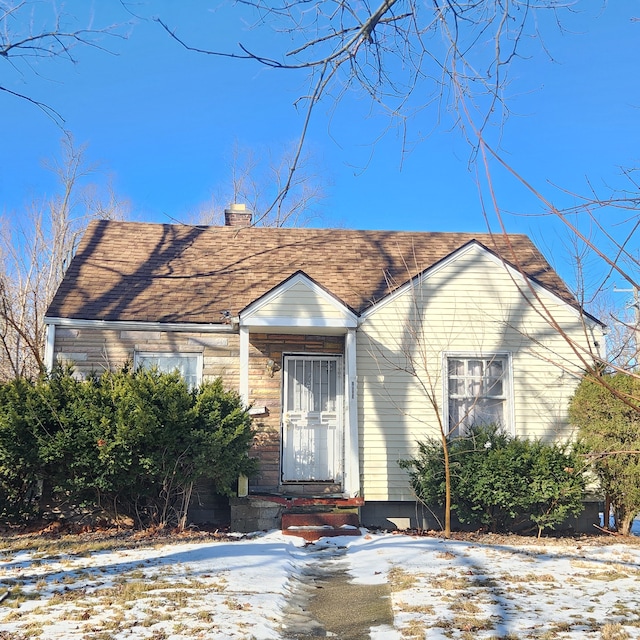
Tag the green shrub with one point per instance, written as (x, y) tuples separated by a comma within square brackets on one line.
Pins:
[(605, 411), (20, 464), (500, 481), (131, 442), (222, 433)]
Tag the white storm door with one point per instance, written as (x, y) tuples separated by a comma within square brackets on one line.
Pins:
[(312, 419)]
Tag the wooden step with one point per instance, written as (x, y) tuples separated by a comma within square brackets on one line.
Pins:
[(315, 525)]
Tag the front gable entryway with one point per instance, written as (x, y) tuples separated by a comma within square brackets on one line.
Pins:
[(298, 372)]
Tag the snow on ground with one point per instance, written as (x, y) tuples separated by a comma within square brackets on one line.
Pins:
[(485, 587), (525, 589), (212, 589)]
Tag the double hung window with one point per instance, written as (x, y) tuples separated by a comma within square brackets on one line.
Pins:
[(188, 365), (477, 391)]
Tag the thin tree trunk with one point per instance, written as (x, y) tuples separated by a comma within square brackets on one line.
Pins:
[(607, 512), (447, 483), (186, 500)]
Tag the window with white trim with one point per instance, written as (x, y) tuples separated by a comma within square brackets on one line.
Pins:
[(477, 391), (188, 365)]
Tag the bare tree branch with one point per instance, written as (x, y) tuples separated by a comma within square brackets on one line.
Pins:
[(35, 251), (32, 31), (403, 54), (278, 194)]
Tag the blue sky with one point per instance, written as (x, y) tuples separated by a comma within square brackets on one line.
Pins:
[(162, 122)]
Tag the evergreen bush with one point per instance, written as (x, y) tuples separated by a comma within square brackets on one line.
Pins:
[(20, 464), (605, 410), (133, 443), (499, 481)]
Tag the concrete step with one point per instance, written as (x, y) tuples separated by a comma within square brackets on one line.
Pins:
[(315, 525)]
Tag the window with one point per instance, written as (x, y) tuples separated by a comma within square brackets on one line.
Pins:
[(188, 365), (477, 391)]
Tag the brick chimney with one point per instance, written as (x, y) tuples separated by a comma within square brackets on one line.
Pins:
[(237, 215)]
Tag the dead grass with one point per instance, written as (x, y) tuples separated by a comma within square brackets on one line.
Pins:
[(400, 580), (159, 593), (511, 578), (425, 609), (56, 543), (17, 596), (413, 630), (613, 631), (470, 624), (468, 607), (451, 583), (606, 576), (461, 602), (57, 548)]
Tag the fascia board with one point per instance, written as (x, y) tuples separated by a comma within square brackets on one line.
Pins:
[(246, 315), (120, 325), (286, 321)]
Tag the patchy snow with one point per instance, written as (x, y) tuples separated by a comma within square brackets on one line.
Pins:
[(231, 589), (484, 587), (567, 588)]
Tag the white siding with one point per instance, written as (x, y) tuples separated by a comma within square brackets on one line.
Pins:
[(471, 305), (298, 301)]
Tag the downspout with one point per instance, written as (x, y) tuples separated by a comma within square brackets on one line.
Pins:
[(351, 448), (243, 481), (244, 365), (50, 340)]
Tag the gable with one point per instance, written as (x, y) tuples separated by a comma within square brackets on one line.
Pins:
[(298, 302), (472, 271)]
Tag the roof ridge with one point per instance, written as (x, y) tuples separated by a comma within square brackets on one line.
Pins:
[(304, 229)]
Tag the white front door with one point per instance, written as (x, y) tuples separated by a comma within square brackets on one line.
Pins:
[(312, 419)]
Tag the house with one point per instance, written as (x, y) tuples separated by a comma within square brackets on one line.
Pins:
[(348, 346)]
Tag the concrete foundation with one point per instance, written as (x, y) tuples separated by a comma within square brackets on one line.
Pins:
[(208, 507), (393, 516), (254, 514)]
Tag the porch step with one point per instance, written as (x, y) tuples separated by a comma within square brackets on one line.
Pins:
[(315, 525)]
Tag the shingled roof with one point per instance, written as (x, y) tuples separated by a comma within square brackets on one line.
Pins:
[(131, 271)]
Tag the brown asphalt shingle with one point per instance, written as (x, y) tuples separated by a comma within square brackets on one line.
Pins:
[(133, 271)]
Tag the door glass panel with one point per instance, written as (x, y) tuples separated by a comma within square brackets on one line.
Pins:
[(312, 385), (316, 386)]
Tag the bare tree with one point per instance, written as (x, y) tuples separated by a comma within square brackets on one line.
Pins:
[(35, 250), (407, 55), (33, 31), (603, 232), (618, 309), (403, 55), (257, 179)]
